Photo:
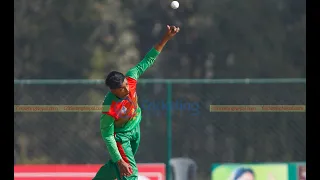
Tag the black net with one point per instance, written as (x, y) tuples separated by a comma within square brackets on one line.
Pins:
[(207, 137)]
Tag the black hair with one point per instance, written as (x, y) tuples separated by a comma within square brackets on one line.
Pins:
[(114, 79)]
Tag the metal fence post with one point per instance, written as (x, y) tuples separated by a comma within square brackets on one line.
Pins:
[(169, 130)]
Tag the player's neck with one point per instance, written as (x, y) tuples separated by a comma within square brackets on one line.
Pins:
[(119, 96)]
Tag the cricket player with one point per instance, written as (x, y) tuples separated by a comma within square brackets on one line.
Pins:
[(120, 119)]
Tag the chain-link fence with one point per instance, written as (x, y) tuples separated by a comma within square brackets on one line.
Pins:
[(206, 137)]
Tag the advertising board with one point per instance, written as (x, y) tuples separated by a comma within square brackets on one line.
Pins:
[(152, 171), (259, 171)]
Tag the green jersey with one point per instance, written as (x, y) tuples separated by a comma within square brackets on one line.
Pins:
[(123, 115)]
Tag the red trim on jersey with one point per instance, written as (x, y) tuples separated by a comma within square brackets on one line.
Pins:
[(121, 151), (131, 80)]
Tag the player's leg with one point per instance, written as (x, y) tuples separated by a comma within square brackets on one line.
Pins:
[(135, 142), (125, 149), (107, 172)]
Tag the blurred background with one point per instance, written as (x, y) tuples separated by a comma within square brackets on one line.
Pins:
[(219, 39)]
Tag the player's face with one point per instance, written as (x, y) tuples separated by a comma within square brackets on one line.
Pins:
[(123, 91), (246, 176)]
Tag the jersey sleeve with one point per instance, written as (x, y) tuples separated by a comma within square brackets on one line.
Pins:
[(107, 131), (143, 65)]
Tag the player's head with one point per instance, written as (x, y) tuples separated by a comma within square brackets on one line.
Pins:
[(118, 84), (243, 174)]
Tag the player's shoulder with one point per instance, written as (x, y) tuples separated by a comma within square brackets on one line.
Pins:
[(108, 99), (131, 79), (131, 82)]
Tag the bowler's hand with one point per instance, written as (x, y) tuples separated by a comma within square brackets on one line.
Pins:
[(172, 31), (125, 168)]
